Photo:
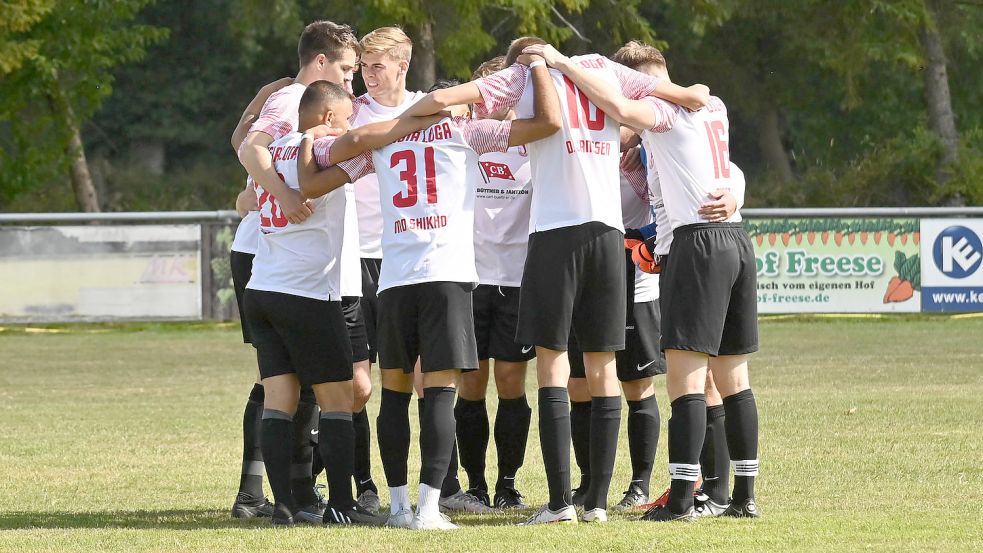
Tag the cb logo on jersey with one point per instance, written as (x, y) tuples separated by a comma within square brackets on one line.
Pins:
[(957, 252)]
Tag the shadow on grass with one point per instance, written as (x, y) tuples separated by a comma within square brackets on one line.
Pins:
[(176, 519)]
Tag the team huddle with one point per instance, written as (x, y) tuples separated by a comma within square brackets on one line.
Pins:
[(528, 213)]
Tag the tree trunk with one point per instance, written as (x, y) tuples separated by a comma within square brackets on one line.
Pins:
[(85, 192), (941, 119), (771, 145), (424, 66)]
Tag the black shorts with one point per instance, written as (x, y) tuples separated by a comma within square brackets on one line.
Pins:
[(431, 320), (574, 279), (352, 309), (242, 269), (370, 302), (496, 314), (641, 357), (708, 291), (294, 334)]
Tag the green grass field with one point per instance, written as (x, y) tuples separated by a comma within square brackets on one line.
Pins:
[(127, 439)]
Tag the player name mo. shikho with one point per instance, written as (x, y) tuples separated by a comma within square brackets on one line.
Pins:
[(420, 223)]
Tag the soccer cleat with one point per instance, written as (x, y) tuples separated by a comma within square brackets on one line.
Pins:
[(309, 513), (663, 514), (544, 515), (439, 522), (400, 519), (634, 498), (578, 496), (463, 501), (747, 509), (247, 506), (481, 494), (355, 514), (282, 516), (369, 500), (596, 514), (509, 498), (664, 499), (706, 507)]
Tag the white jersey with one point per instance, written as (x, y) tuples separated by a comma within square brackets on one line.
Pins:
[(501, 217), (351, 263), (735, 184), (427, 183), (367, 110), (299, 259), (277, 119), (637, 213), (575, 169), (690, 152)]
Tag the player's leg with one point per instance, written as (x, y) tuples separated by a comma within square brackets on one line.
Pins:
[(398, 342), (599, 323), (473, 430), (249, 500), (712, 499), (511, 430), (365, 488), (580, 402), (302, 454)]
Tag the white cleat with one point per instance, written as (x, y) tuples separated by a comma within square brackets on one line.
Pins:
[(595, 515), (464, 502), (544, 515), (439, 522), (401, 519)]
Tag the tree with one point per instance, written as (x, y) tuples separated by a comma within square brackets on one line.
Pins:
[(61, 74)]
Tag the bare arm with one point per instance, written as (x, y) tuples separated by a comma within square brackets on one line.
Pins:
[(246, 201), (314, 182), (546, 111), (377, 135), (256, 159), (253, 109), (439, 100)]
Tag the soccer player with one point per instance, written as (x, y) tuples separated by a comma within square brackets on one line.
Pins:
[(574, 272), (427, 184), (384, 63), (293, 308), (325, 51), (501, 234), (711, 261)]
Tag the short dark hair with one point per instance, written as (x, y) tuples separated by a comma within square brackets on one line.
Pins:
[(515, 49), (493, 65), (635, 54), (443, 83), (328, 38), (321, 95)]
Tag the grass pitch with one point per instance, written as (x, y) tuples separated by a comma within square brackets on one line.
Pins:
[(127, 438)]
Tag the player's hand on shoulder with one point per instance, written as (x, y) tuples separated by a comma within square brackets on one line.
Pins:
[(702, 93), (270, 88), (720, 206), (295, 206), (547, 52), (321, 131)]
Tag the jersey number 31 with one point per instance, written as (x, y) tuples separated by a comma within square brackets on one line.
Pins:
[(408, 176)]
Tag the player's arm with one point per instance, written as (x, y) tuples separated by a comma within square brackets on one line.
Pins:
[(441, 99), (254, 108), (376, 135), (546, 118), (256, 159), (726, 200), (246, 201), (314, 181)]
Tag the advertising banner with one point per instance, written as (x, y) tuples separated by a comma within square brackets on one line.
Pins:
[(71, 273), (863, 265), (952, 264)]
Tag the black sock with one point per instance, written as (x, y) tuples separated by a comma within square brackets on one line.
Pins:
[(742, 440), (301, 473), (714, 459), (472, 439), (686, 430), (436, 435), (393, 429), (337, 446), (277, 437), (363, 452), (251, 478), (580, 432), (451, 484), (643, 439), (554, 438), (511, 435), (605, 422)]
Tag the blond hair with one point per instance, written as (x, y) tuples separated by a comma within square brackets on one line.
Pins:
[(388, 40), (493, 65), (636, 54)]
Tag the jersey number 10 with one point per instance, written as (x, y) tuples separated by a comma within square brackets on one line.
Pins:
[(408, 176), (574, 94)]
